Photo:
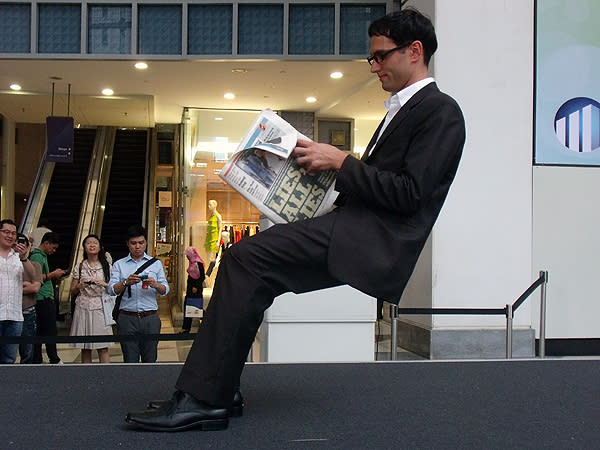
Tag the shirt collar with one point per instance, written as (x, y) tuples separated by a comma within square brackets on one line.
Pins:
[(398, 99), (145, 257)]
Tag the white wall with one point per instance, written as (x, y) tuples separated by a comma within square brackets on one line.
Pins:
[(481, 245), (565, 229)]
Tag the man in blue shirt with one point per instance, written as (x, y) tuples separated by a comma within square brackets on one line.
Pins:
[(139, 308)]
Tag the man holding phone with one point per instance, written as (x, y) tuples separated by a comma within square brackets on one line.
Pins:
[(13, 265), (44, 308), (140, 286)]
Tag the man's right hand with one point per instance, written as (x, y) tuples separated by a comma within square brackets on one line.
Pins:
[(57, 273)]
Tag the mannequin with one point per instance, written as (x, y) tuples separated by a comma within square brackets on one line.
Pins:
[(213, 235), (226, 241)]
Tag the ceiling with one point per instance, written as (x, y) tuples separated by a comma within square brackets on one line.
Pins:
[(159, 93)]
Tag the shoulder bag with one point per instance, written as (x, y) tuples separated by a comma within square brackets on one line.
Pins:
[(117, 307)]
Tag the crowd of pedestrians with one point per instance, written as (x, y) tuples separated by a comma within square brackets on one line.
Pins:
[(28, 304)]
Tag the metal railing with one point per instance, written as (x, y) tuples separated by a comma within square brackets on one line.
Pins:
[(508, 311)]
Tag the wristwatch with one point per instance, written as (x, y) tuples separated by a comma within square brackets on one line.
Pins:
[(124, 282)]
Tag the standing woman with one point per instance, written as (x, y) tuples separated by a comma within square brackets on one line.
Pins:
[(90, 279)]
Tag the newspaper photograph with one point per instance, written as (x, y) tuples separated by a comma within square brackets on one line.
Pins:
[(262, 170)]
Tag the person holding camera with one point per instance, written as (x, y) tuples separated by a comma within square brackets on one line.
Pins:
[(90, 279), (13, 265), (44, 308)]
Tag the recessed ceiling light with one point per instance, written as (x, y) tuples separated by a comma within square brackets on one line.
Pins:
[(229, 96), (141, 65), (107, 91), (15, 87), (239, 70), (336, 75), (218, 118), (310, 99)]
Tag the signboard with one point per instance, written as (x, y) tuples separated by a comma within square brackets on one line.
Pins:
[(567, 92), (59, 139), (165, 199)]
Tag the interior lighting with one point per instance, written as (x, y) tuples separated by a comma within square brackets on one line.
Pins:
[(15, 87), (107, 91), (336, 75), (311, 99), (141, 65), (218, 118), (229, 96)]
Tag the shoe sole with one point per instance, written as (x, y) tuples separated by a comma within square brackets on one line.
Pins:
[(202, 425), (236, 411)]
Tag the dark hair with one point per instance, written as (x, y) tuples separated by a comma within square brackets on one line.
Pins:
[(135, 231), (406, 26), (7, 221), (51, 237), (101, 255), (43, 222)]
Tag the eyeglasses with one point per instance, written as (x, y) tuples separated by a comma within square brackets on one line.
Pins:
[(9, 233), (380, 56)]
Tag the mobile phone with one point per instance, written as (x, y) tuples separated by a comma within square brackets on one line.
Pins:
[(22, 239), (143, 276)]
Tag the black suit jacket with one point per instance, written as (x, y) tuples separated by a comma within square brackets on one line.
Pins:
[(393, 197)]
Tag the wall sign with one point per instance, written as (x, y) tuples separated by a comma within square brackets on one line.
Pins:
[(567, 92)]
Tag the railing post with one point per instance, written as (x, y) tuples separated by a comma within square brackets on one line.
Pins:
[(394, 332), (542, 349), (509, 329)]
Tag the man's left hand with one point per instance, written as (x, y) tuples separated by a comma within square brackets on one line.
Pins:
[(315, 157)]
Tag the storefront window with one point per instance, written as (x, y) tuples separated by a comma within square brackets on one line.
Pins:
[(210, 138)]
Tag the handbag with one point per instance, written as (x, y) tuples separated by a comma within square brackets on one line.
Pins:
[(108, 305), (117, 308), (193, 307)]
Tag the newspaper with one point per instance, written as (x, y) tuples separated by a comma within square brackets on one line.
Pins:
[(262, 170)]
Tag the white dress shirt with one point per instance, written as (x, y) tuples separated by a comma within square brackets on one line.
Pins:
[(397, 100), (11, 287)]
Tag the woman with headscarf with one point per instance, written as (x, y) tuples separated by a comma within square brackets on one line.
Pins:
[(195, 282)]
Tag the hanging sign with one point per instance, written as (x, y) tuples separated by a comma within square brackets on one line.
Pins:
[(59, 139)]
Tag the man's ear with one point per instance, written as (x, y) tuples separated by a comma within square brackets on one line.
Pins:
[(415, 50)]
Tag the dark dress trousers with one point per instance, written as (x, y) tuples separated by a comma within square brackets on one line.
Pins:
[(371, 241)]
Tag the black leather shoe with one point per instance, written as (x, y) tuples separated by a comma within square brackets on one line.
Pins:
[(237, 407), (184, 412)]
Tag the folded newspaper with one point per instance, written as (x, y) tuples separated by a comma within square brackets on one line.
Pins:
[(262, 170)]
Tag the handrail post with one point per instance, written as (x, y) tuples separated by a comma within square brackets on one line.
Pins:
[(542, 349), (509, 329), (394, 332)]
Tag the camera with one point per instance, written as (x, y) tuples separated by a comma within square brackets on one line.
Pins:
[(22, 239)]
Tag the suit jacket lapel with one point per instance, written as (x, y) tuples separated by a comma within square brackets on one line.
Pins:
[(399, 117), (372, 142)]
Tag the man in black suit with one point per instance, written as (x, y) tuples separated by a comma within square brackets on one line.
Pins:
[(387, 206)]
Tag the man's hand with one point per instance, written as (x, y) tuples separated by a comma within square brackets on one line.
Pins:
[(56, 274), (22, 250), (315, 157)]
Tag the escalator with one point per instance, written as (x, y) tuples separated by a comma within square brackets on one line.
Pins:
[(126, 194), (102, 192), (64, 196)]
